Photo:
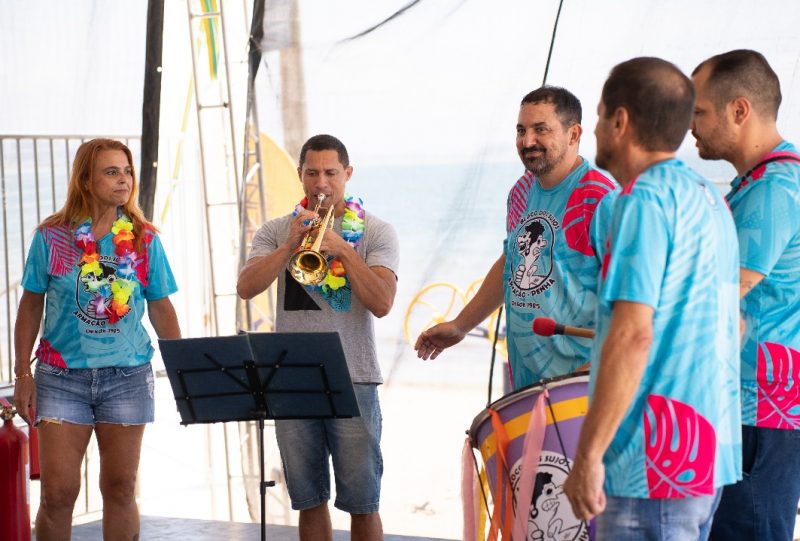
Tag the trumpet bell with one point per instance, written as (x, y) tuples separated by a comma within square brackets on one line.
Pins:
[(308, 267)]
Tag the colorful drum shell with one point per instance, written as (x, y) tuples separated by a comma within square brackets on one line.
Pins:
[(568, 404)]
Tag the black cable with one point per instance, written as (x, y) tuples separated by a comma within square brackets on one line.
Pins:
[(558, 432), (383, 22), (552, 43), (494, 353)]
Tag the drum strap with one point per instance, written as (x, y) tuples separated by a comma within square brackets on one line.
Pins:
[(484, 512), (469, 494), (474, 488), (474, 501), (531, 451), (502, 513)]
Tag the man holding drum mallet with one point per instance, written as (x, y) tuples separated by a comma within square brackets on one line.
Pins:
[(662, 433), (557, 216)]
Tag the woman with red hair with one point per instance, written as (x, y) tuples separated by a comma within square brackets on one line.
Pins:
[(99, 263)]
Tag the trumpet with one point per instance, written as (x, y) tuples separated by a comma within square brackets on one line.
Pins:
[(308, 266)]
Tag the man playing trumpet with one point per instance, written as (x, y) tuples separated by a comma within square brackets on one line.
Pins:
[(360, 282)]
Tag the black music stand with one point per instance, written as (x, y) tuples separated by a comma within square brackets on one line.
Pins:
[(259, 376)]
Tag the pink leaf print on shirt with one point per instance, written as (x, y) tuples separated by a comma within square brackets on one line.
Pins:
[(606, 258), (680, 446), (777, 376), (518, 199), (143, 265), (64, 255), (46, 354), (757, 173), (580, 208)]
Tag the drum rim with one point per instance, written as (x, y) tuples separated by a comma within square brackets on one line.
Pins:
[(549, 383)]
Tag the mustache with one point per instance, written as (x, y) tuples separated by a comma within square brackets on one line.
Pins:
[(535, 148)]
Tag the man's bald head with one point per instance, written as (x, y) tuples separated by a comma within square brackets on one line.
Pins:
[(659, 99), (742, 73)]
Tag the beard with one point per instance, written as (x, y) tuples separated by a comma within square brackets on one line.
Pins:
[(718, 143), (603, 158), (541, 164), (718, 150)]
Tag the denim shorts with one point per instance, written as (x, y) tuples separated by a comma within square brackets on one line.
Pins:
[(354, 448), (636, 519), (122, 396)]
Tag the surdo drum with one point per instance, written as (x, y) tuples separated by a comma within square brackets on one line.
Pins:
[(507, 440)]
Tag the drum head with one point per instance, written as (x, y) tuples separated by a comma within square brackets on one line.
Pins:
[(522, 394)]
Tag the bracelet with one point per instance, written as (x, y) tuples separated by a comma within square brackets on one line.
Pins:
[(23, 376)]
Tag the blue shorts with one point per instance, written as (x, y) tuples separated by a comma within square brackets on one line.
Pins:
[(678, 519), (122, 396), (354, 448)]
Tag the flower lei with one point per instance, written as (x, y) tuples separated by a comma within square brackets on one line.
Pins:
[(118, 286), (334, 287)]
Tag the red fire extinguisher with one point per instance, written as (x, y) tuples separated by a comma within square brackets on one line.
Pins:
[(15, 523), (33, 447)]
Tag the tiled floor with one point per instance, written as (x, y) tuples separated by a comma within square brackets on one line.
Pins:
[(172, 529)]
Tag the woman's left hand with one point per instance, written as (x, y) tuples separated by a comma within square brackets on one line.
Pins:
[(25, 399)]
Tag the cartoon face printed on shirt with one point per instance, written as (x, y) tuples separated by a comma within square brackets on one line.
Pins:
[(533, 262), (94, 310), (531, 241), (94, 284)]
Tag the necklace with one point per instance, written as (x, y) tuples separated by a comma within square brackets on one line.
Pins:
[(118, 286), (335, 285)]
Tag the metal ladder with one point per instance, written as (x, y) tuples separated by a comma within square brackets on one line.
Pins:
[(252, 196), (219, 169), (224, 190)]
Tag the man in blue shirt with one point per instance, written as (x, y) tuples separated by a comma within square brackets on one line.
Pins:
[(738, 95), (557, 216), (656, 444)]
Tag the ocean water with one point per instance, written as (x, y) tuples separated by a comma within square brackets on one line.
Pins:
[(450, 220)]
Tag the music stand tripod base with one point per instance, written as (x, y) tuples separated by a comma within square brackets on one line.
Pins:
[(259, 376)]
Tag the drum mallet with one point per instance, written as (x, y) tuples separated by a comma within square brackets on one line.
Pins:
[(544, 326)]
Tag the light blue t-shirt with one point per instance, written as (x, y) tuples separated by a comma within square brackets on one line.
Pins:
[(74, 335), (766, 207), (552, 262), (672, 246)]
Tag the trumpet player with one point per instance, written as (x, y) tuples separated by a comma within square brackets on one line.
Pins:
[(331, 278)]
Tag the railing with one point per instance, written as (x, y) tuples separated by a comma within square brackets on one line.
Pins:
[(34, 172)]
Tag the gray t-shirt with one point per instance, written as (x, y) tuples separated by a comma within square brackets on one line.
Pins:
[(299, 310)]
